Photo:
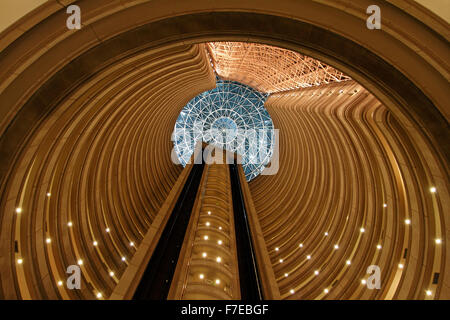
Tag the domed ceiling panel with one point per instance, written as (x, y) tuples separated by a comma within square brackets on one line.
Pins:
[(232, 117), (270, 69)]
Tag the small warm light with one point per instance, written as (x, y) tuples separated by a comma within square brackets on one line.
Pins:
[(204, 254), (220, 228), (208, 224), (378, 246), (308, 257), (18, 210), (219, 242), (362, 230), (400, 266), (132, 243), (48, 240), (281, 260), (363, 281), (301, 245), (428, 292), (206, 237), (326, 234), (433, 189), (217, 281), (348, 262), (276, 249), (108, 230), (209, 212), (80, 262), (95, 243), (69, 224), (336, 246), (286, 275), (49, 194), (123, 259), (20, 261), (316, 272), (438, 241), (292, 291), (60, 283), (99, 295), (407, 221), (384, 205), (219, 259), (111, 274), (325, 290), (201, 276)]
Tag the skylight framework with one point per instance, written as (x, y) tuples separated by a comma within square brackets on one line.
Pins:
[(270, 69), (231, 116)]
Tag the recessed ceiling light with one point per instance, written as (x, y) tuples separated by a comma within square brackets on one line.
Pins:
[(204, 254), (60, 283), (363, 281), (308, 257), (292, 291), (326, 234), (362, 230), (80, 262), (48, 240), (433, 189), (123, 259), (206, 237), (220, 228), (407, 221), (69, 223), (108, 230), (49, 194), (219, 259), (219, 242), (276, 249), (99, 295), (281, 260), (95, 243), (428, 292), (18, 210), (301, 245), (400, 266), (384, 205), (209, 212), (325, 290), (378, 246), (316, 272), (217, 281), (111, 273), (286, 275), (132, 243), (348, 262), (438, 241), (20, 261), (336, 246)]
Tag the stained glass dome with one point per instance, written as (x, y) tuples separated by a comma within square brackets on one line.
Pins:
[(231, 116)]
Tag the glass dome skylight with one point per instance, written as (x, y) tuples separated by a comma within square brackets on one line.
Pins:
[(231, 116)]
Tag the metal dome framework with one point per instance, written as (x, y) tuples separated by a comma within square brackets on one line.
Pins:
[(231, 116), (270, 69)]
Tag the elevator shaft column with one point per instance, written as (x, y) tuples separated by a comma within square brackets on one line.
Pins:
[(208, 264)]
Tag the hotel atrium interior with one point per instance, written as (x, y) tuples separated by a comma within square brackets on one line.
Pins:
[(349, 198)]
